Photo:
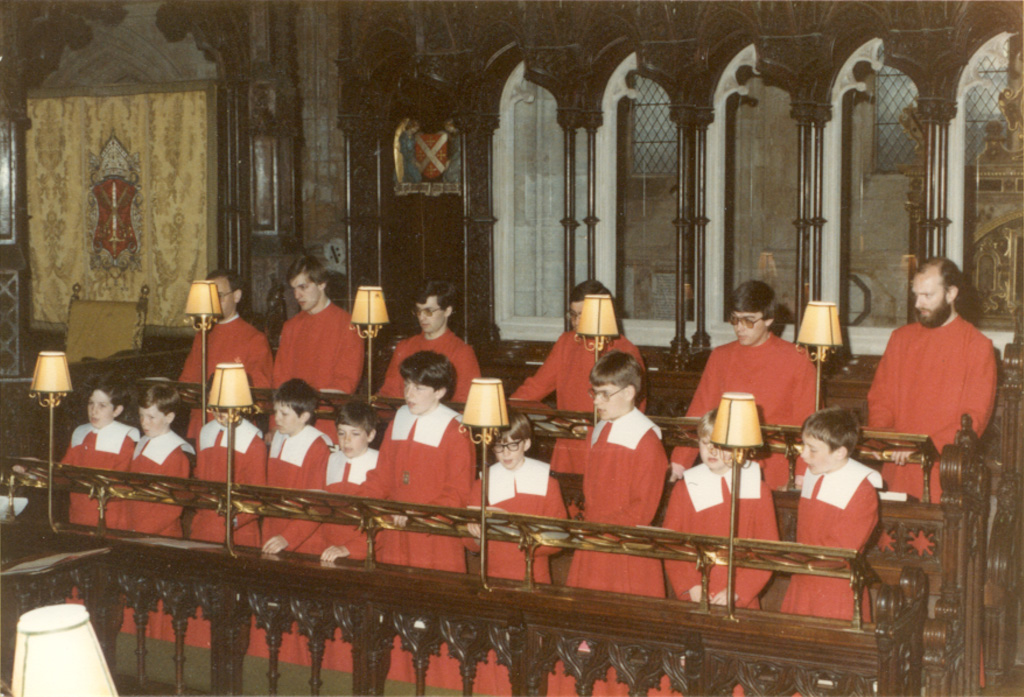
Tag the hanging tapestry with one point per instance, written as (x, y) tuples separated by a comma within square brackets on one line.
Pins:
[(427, 163), (115, 209)]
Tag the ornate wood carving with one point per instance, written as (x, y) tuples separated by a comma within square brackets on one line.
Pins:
[(316, 621), (274, 616)]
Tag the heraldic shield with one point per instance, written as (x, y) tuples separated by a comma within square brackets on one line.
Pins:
[(114, 208)]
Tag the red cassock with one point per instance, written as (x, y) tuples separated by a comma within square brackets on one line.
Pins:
[(347, 477), (297, 462), (625, 473), (212, 465), (448, 345), (163, 455), (423, 459), (926, 380), (566, 372), (325, 351), (782, 380), (838, 509), (529, 490), (234, 341), (700, 505), (108, 448)]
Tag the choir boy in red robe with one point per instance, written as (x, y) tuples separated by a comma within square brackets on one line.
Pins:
[(425, 458), (625, 472), (776, 372), (161, 451), (566, 372), (103, 443), (232, 340), (346, 472), (319, 344), (838, 508), (212, 465), (517, 484), (434, 305), (298, 460), (932, 372), (701, 505)]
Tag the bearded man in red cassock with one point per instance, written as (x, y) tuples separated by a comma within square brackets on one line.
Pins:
[(232, 340), (932, 372)]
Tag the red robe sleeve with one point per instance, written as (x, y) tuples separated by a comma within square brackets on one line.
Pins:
[(459, 463), (640, 502), (466, 369), (313, 477), (882, 394), (545, 381)]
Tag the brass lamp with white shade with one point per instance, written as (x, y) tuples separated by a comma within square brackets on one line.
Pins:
[(203, 308), (56, 652), (231, 396), (369, 314), (487, 412), (820, 333), (737, 428), (50, 382)]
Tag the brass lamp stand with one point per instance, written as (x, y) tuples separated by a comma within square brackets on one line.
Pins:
[(486, 411), (738, 429), (369, 314), (203, 309), (50, 382), (231, 396), (597, 326), (821, 334)]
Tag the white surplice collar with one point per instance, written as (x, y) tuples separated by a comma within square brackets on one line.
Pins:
[(245, 432), (530, 478), (705, 487), (837, 488), (430, 428), (109, 439), (157, 449), (627, 430), (293, 449), (359, 466)]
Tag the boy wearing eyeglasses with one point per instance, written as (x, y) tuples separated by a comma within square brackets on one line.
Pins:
[(434, 305), (517, 484), (776, 372), (566, 372), (425, 458), (623, 480)]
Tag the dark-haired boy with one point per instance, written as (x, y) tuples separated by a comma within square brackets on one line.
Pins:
[(425, 458), (347, 469), (566, 372), (297, 460), (232, 340), (838, 508), (318, 345), (160, 451), (622, 484), (434, 305), (776, 372)]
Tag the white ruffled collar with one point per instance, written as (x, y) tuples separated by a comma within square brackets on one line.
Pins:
[(530, 478), (838, 487)]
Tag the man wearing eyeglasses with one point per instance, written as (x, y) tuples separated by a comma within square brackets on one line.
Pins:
[(434, 305), (776, 372), (232, 340), (566, 372)]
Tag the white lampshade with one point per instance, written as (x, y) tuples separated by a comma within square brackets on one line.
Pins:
[(485, 405), (820, 326), (736, 424), (368, 307), (56, 653), (52, 374), (597, 317), (230, 387), (203, 299)]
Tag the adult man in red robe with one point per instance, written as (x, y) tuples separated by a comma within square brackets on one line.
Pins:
[(933, 371), (566, 372), (319, 344), (434, 305), (232, 340), (776, 372)]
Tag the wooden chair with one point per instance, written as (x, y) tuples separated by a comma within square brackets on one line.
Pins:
[(101, 328)]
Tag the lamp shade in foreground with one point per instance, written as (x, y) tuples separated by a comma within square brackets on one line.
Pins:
[(737, 424), (820, 325), (51, 374), (597, 317), (203, 299), (230, 387), (369, 307), (485, 406)]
